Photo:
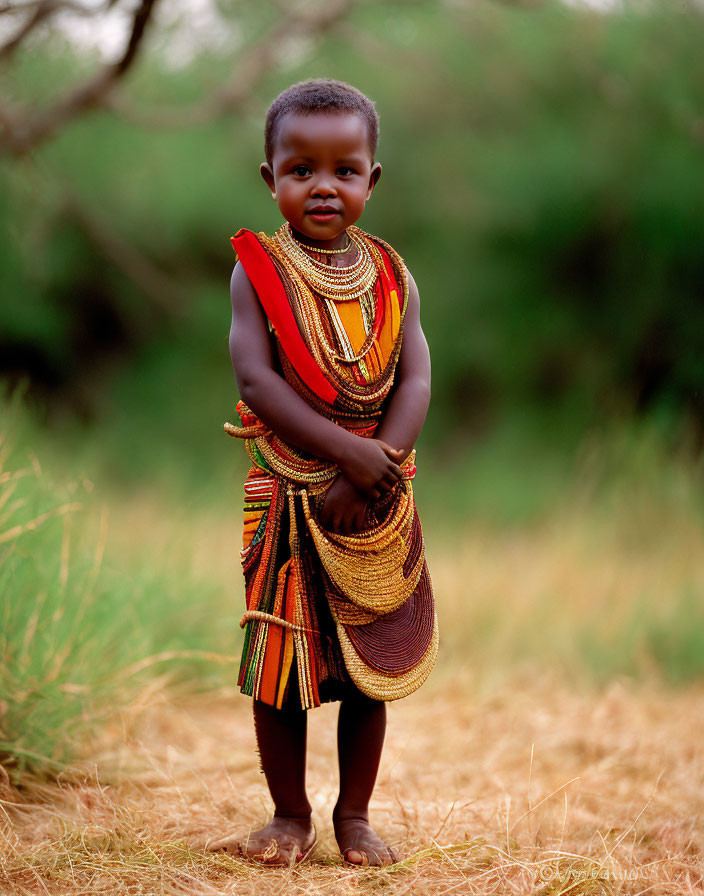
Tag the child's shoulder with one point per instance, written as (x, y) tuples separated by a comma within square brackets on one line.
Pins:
[(397, 263), (376, 239), (246, 240), (249, 246)]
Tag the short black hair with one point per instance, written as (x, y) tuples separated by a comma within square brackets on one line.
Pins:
[(320, 95)]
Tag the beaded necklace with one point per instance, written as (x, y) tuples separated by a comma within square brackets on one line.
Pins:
[(362, 395), (334, 284), (321, 251)]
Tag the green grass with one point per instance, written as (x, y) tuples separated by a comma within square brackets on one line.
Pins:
[(578, 551), (80, 628)]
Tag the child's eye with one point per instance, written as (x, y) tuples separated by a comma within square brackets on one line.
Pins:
[(344, 170), (301, 170)]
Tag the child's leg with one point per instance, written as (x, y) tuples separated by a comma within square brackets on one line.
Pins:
[(360, 738), (281, 738)]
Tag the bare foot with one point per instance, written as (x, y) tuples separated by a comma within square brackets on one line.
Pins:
[(284, 841), (359, 844)]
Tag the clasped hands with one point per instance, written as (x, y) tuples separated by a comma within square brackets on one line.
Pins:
[(367, 472)]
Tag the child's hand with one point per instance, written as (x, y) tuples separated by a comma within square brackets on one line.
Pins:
[(345, 507), (372, 466)]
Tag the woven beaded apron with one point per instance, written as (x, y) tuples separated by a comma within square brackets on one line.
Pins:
[(328, 613)]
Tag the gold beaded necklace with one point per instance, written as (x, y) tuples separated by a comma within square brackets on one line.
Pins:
[(333, 284), (322, 251), (361, 395)]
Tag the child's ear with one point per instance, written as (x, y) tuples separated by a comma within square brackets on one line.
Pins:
[(268, 175), (374, 176)]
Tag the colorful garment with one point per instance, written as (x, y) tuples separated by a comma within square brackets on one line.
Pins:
[(314, 629)]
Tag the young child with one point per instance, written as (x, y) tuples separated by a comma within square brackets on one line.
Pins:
[(333, 371)]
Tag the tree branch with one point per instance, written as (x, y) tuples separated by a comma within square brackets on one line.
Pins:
[(40, 10), (253, 65), (20, 135), (56, 6)]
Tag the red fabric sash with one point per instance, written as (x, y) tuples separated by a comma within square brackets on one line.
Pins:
[(271, 293)]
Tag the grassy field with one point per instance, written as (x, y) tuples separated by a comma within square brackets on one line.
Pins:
[(521, 786), (83, 619), (556, 747)]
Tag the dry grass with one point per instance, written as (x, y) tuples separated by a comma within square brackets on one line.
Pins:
[(502, 775), (524, 786), (601, 595), (595, 588)]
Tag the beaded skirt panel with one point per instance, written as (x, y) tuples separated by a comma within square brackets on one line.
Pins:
[(314, 629)]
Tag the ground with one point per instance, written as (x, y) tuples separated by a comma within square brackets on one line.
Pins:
[(523, 785)]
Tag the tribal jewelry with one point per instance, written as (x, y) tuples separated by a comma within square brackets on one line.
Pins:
[(324, 251), (333, 284), (361, 384), (329, 281)]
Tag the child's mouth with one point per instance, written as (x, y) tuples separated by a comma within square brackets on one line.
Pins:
[(323, 214)]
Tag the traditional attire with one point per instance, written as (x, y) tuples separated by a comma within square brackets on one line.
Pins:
[(326, 612)]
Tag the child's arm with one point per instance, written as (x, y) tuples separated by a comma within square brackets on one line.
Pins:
[(408, 405), (368, 464), (345, 507)]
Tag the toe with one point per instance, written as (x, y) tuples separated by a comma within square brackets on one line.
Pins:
[(304, 850), (287, 853), (260, 849), (231, 847)]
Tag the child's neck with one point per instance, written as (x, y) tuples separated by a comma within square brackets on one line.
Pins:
[(340, 241)]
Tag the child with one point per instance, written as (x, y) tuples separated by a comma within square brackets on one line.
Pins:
[(339, 599)]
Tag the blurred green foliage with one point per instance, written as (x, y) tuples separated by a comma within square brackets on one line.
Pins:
[(542, 179)]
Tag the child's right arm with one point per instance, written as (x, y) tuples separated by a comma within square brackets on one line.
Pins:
[(369, 464)]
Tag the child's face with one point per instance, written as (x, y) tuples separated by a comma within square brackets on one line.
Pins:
[(322, 172)]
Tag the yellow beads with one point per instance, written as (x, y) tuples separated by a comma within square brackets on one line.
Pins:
[(376, 555), (322, 251), (309, 283), (330, 281)]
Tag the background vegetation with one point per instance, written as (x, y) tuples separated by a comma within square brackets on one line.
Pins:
[(542, 179)]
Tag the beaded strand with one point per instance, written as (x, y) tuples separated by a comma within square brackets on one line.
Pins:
[(322, 251), (332, 282), (319, 330)]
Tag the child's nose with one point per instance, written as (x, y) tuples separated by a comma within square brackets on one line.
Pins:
[(324, 187)]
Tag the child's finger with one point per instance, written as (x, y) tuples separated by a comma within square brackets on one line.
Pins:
[(392, 452), (391, 479), (359, 518)]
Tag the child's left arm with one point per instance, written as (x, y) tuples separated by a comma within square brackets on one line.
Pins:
[(345, 506), (410, 398)]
